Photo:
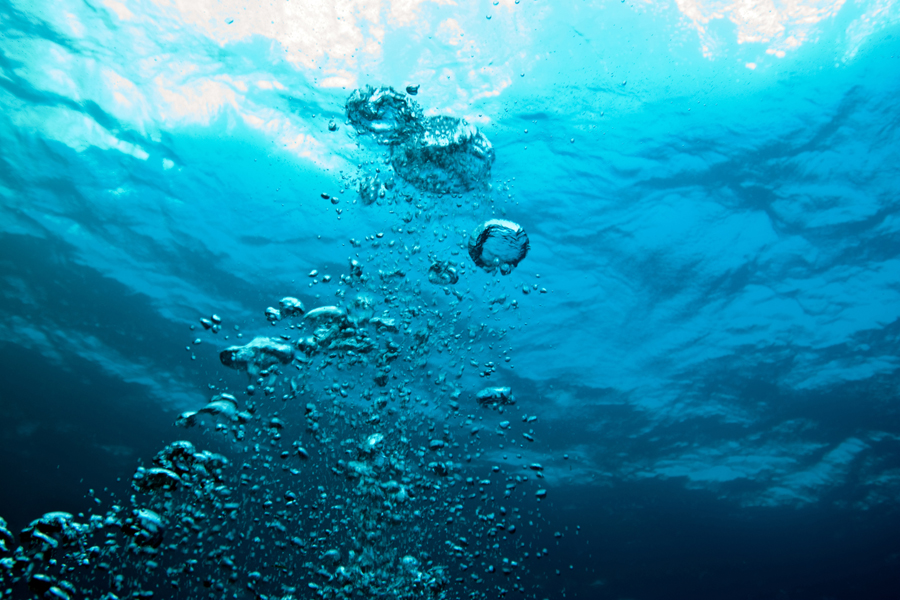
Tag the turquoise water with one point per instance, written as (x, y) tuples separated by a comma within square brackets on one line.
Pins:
[(704, 325)]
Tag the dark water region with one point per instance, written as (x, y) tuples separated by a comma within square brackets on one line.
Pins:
[(653, 540), (66, 434), (70, 424)]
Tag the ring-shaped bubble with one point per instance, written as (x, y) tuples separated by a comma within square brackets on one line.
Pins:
[(498, 244)]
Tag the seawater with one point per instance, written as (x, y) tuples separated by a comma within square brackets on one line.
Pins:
[(413, 299)]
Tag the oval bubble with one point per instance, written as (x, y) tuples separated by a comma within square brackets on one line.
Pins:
[(498, 244)]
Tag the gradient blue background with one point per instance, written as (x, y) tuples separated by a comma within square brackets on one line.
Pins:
[(711, 195)]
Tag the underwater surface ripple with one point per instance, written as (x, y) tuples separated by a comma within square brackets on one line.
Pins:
[(605, 304)]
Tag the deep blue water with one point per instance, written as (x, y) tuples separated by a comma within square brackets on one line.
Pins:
[(705, 325)]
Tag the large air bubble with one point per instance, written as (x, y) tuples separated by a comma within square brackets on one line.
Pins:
[(260, 353), (383, 111), (494, 397), (498, 244), (53, 530), (446, 155)]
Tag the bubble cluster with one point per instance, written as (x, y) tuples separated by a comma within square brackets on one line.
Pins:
[(387, 114), (446, 155), (336, 490), (442, 273), (440, 154), (348, 451)]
